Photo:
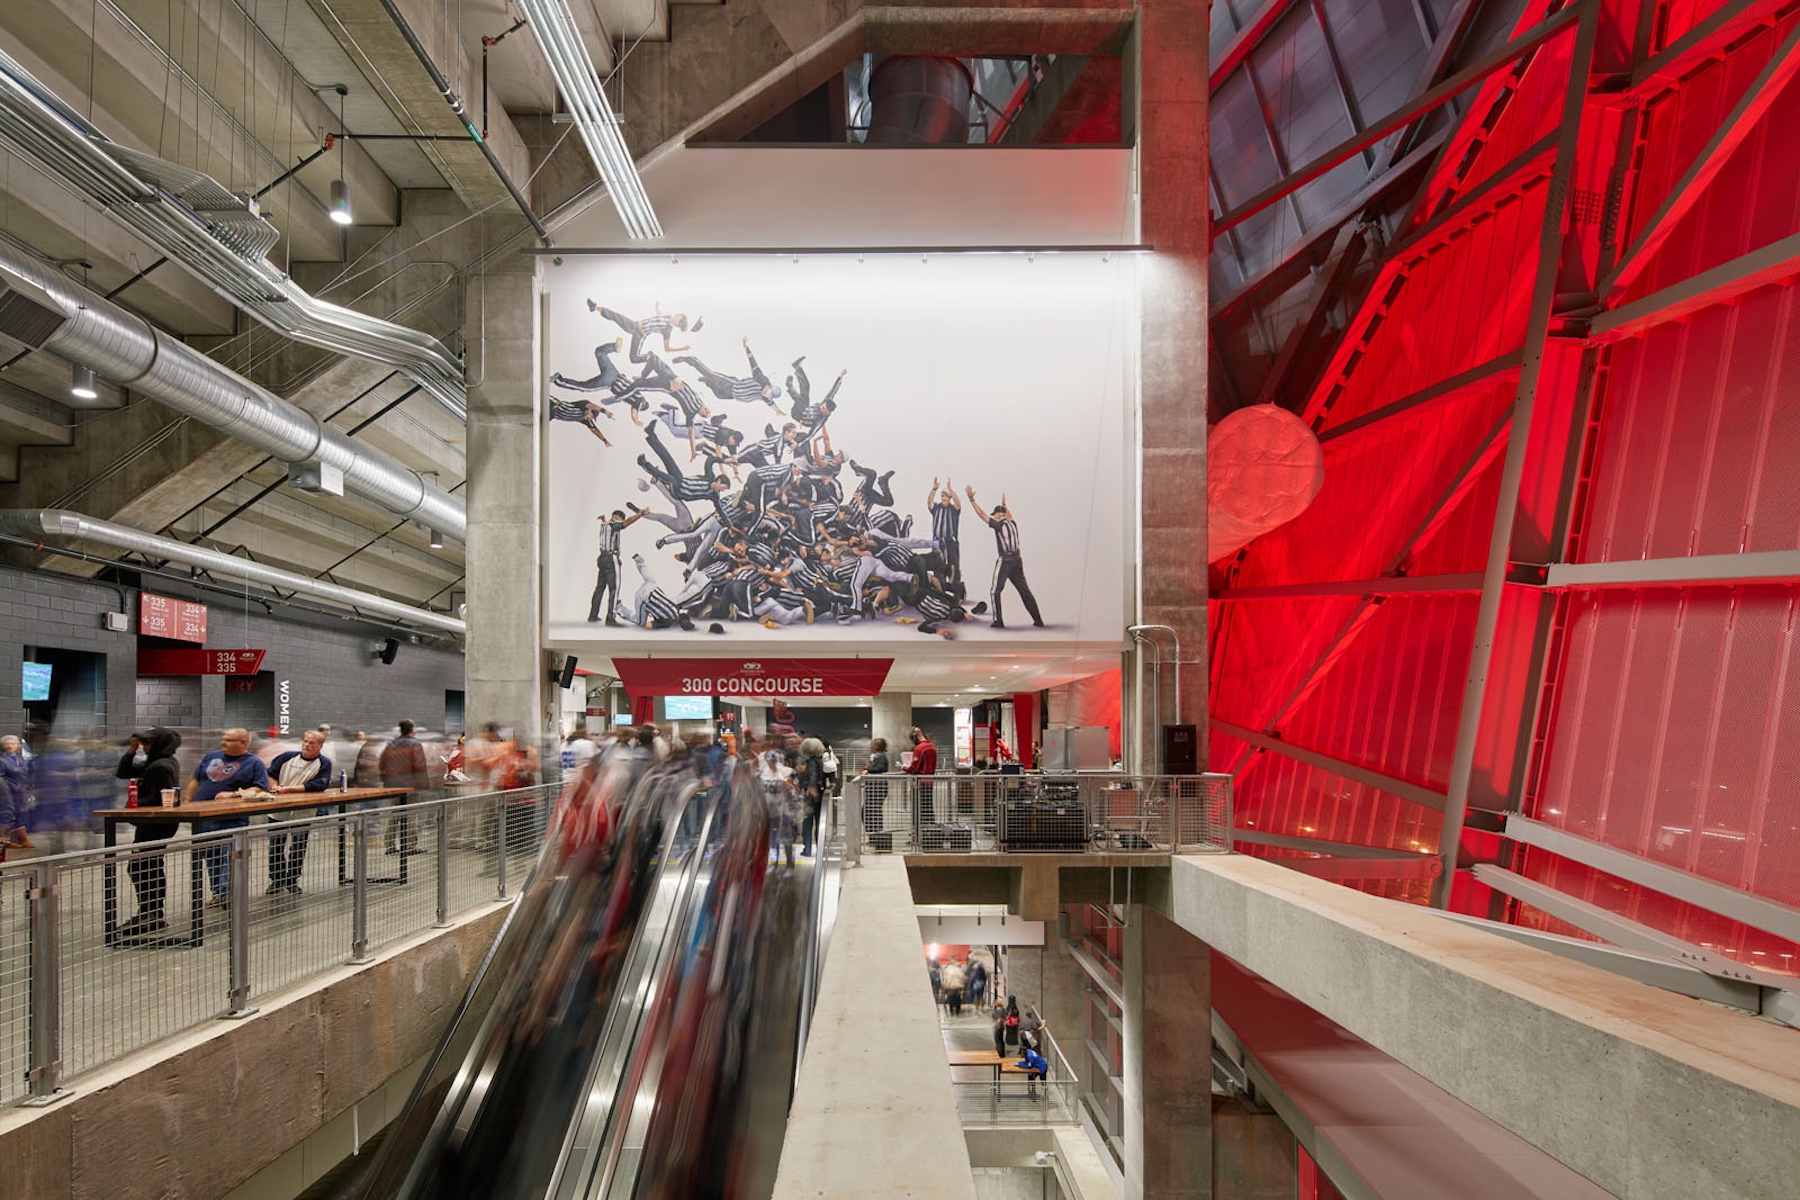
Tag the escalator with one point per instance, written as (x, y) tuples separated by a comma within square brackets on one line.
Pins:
[(636, 1028)]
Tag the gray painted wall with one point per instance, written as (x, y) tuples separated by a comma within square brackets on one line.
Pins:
[(331, 674)]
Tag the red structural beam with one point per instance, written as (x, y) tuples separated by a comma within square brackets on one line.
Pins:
[(1399, 119), (1738, 125), (1771, 264)]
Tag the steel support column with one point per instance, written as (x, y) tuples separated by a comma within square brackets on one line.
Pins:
[(1537, 335), (1739, 124)]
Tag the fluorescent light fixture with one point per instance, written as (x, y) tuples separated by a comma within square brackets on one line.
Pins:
[(340, 202), (594, 118), (81, 383)]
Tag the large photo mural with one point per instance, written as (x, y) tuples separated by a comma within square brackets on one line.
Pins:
[(765, 448)]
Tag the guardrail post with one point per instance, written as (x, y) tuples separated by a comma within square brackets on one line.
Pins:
[(237, 925), (500, 845), (853, 829), (46, 985), (442, 820), (359, 889)]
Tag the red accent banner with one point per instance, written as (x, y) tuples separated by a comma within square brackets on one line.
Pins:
[(166, 617), (789, 678), (200, 662)]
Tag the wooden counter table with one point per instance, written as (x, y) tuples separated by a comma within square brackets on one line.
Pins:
[(294, 804)]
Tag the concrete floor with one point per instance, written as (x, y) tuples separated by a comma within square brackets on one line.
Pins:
[(117, 999)]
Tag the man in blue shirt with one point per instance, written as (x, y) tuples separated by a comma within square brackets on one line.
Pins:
[(228, 769)]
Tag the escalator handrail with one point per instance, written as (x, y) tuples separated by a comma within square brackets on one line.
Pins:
[(643, 980)]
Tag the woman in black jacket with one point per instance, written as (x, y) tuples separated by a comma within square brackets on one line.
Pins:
[(148, 879), (874, 797)]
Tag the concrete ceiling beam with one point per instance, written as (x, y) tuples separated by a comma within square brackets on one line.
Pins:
[(381, 52), (43, 214), (265, 117), (302, 529)]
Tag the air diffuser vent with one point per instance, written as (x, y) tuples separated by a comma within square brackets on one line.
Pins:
[(27, 313)]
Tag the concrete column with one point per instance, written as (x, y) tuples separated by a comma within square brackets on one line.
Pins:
[(1168, 1060), (1253, 1153), (507, 674), (1171, 60), (890, 717)]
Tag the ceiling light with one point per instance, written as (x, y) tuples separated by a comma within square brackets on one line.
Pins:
[(81, 383), (593, 114), (434, 539), (340, 202)]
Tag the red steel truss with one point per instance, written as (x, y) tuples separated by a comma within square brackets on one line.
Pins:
[(1554, 572)]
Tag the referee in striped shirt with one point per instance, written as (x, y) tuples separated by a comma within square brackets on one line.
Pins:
[(608, 563), (1011, 565), (946, 518)]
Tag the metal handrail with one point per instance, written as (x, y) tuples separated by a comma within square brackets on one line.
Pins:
[(64, 890), (1071, 813)]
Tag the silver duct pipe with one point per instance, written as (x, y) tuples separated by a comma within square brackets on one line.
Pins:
[(36, 524), (915, 100), (213, 232), (43, 308)]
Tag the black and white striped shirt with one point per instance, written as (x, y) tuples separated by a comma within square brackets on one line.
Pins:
[(609, 539), (571, 410), (945, 519), (1006, 536)]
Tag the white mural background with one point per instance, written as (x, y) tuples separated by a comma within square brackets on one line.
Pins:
[(1006, 372)]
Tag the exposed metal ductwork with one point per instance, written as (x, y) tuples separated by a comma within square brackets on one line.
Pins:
[(210, 230), (38, 523), (42, 307), (917, 100)]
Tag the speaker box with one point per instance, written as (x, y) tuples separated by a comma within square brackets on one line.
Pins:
[(568, 673), (1181, 750), (388, 652)]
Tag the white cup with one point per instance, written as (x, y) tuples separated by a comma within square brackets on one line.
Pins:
[(170, 797)]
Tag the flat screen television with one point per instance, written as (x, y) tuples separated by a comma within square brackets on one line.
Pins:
[(687, 708), (37, 681)]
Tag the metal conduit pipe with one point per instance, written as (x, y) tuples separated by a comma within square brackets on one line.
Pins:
[(39, 523), (1138, 634), (93, 332), (443, 86), (210, 231)]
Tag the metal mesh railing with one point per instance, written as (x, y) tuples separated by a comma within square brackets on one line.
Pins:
[(105, 952), (1016, 1102), (949, 814)]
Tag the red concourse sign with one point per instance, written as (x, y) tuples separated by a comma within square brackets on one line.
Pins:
[(200, 662), (788, 678), (166, 617)]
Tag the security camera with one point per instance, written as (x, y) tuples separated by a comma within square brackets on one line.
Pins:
[(1043, 1156)]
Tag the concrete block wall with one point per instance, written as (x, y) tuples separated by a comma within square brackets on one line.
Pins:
[(38, 609), (330, 672), (169, 701)]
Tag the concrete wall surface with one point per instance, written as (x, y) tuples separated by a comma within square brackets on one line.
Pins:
[(1644, 1092), (330, 672), (873, 1113), (194, 1117)]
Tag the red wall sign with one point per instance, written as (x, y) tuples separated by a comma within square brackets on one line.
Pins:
[(165, 617), (789, 678), (200, 662)]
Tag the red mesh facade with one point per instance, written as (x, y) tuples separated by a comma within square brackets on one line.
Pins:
[(1657, 718)]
